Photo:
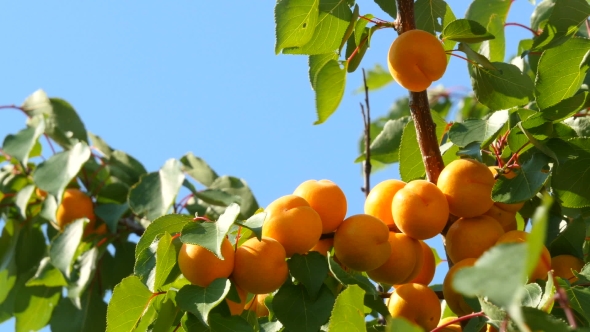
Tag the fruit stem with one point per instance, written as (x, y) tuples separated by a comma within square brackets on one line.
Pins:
[(458, 319), (522, 26), (561, 297), (462, 57)]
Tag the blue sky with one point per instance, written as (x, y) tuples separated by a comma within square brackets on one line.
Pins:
[(159, 80)]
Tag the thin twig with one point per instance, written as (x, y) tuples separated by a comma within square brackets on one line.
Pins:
[(367, 121), (133, 226)]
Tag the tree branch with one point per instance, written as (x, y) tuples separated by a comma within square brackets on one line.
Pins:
[(367, 123)]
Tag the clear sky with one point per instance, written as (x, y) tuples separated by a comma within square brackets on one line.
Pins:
[(158, 80)]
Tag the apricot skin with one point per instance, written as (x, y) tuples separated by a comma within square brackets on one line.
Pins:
[(257, 305), (471, 237), (235, 308), (455, 301), (506, 219), (416, 303), (378, 202), (420, 210), (260, 266), (416, 58), (291, 221), (467, 184), (426, 273), (563, 264), (200, 266), (455, 327), (327, 199), (404, 262), (361, 242), (323, 246), (75, 205)]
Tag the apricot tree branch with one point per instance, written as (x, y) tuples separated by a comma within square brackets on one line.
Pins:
[(367, 123)]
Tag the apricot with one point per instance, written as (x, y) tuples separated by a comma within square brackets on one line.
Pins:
[(455, 327), (236, 308), (426, 273), (294, 223), (74, 205), (200, 266), (257, 305), (416, 303), (416, 59), (544, 264), (323, 246), (404, 262), (378, 202), (420, 209), (361, 242), (467, 184), (455, 301), (260, 266), (471, 237), (563, 265), (40, 193), (327, 199), (506, 219)]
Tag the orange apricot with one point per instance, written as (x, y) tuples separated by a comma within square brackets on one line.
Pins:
[(563, 265), (378, 202), (236, 308), (323, 246), (416, 58), (471, 237), (74, 205), (426, 273), (294, 223), (260, 266), (455, 327), (258, 306), (467, 184), (506, 219), (200, 266), (455, 301), (40, 193), (544, 264), (404, 262), (420, 209), (416, 303), (361, 242), (327, 199)]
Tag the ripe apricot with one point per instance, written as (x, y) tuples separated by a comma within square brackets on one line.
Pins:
[(420, 209), (455, 327), (323, 246), (200, 266), (455, 301), (563, 265), (416, 303), (260, 266), (467, 184), (361, 242), (74, 205), (471, 237), (404, 262), (40, 193), (544, 264), (294, 223), (506, 219), (257, 305), (416, 58), (236, 308), (378, 202), (327, 199), (426, 273)]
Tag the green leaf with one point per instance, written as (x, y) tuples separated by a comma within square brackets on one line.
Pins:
[(557, 79), (295, 22), (47, 275), (376, 303), (217, 197), (99, 144), (30, 249), (33, 307), (130, 297), (166, 255), (567, 107), (482, 10), (329, 89), (310, 270), (114, 269), (54, 174), (466, 31), (254, 224), (564, 20), (433, 16), (478, 58), (388, 6), (346, 278), (399, 324), (199, 301), (475, 130), (579, 300), (90, 318), (503, 88), (538, 320), (571, 178), (238, 187), (526, 184), (229, 324), (495, 49), (8, 271), (172, 223), (348, 313), (190, 323), (298, 311), (145, 265), (125, 168), (20, 145), (316, 63), (168, 313), (154, 194), (377, 78), (210, 235), (571, 240), (385, 147), (532, 295), (332, 22), (22, 199), (536, 237), (111, 213), (358, 42), (580, 125), (82, 274), (64, 246), (198, 169)]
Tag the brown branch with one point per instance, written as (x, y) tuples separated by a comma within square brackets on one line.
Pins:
[(133, 226), (367, 122)]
